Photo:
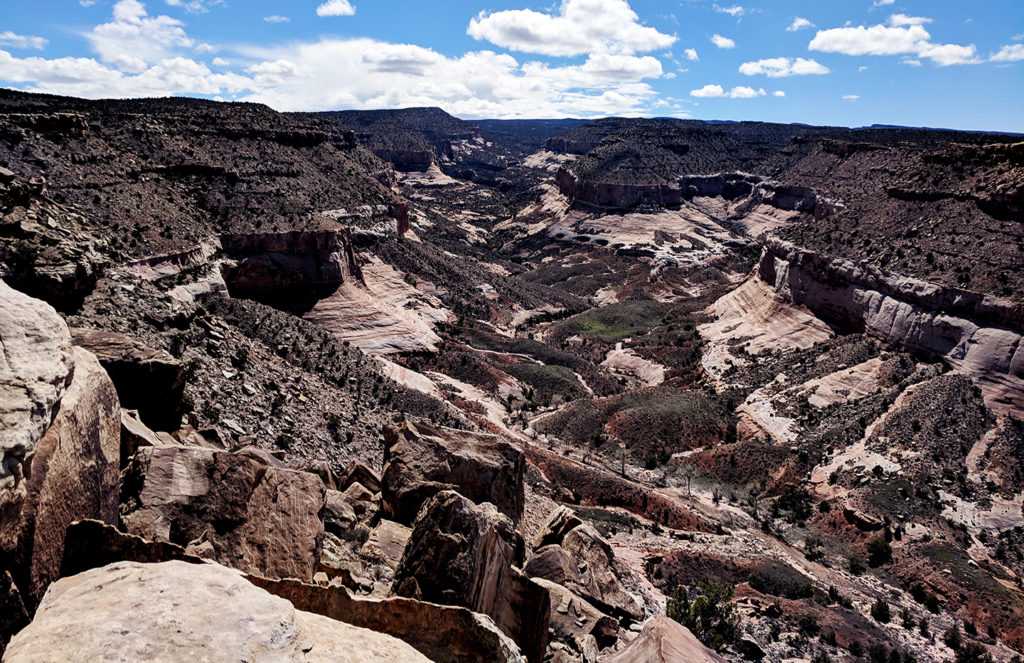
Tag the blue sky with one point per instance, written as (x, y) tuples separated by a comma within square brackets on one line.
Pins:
[(843, 62)]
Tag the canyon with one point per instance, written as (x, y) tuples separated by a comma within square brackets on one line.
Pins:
[(419, 388)]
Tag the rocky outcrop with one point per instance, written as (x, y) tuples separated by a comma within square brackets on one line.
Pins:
[(978, 334), (289, 271), (421, 460), (577, 557), (149, 381), (576, 622), (464, 554), (610, 195), (60, 438), (230, 507), (445, 634), (176, 611), (44, 249), (664, 640)]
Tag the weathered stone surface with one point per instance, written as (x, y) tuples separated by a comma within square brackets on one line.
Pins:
[(148, 381), (91, 544), (598, 581), (135, 435), (13, 615), (561, 521), (664, 640), (445, 634), (573, 618), (387, 543), (552, 563), (176, 611), (35, 368), (74, 473), (464, 554), (357, 472), (421, 460), (229, 507)]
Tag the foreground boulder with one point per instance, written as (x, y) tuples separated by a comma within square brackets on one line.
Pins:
[(59, 437), (229, 507), (444, 634), (175, 611), (148, 381), (664, 640), (421, 460), (464, 554)]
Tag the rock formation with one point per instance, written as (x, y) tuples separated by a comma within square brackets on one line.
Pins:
[(468, 555), (664, 641), (182, 611), (226, 506), (421, 460)]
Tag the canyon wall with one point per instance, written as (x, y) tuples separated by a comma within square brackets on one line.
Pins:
[(977, 334)]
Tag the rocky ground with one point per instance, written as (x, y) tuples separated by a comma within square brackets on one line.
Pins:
[(425, 390)]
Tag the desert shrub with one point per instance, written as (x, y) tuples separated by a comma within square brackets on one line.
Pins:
[(880, 611), (711, 616), (879, 552)]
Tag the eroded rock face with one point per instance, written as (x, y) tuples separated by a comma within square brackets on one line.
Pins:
[(664, 641), (74, 472), (175, 611), (573, 619), (979, 334), (146, 380), (463, 554), (421, 460), (35, 369), (228, 507)]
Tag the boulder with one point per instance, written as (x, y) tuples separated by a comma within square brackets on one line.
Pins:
[(561, 521), (664, 640), (357, 472), (598, 582), (175, 611), (135, 435), (464, 554), (148, 381), (573, 618), (35, 368), (421, 460), (228, 507), (387, 543), (445, 634), (74, 473), (552, 563)]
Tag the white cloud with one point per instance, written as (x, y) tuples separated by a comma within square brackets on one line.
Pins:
[(722, 42), (897, 20), (862, 68), (735, 10), (11, 40), (336, 8), (87, 3), (276, 19), (911, 62), (799, 23), (778, 93), (193, 6), (134, 40), (739, 92), (782, 67), (578, 27), (691, 54), (851, 97), (1009, 53), (709, 90), (221, 62), (882, 3), (904, 36)]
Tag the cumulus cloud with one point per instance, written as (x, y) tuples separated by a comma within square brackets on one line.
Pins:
[(739, 92), (778, 93), (576, 28), (851, 97), (133, 40), (882, 3), (11, 40), (1009, 53), (905, 35), (799, 23), (334, 73), (276, 19), (782, 67), (691, 54), (722, 42), (336, 8)]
